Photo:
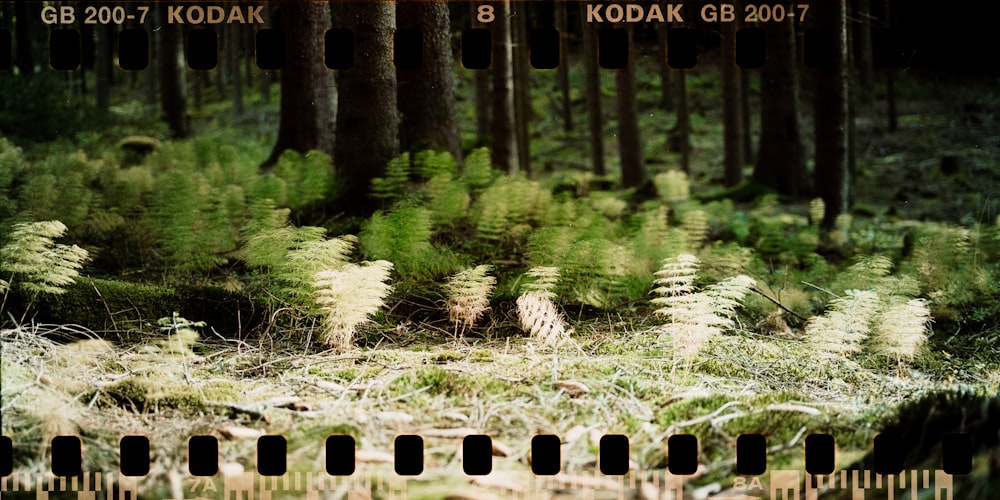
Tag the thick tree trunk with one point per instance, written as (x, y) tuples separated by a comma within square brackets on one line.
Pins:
[(732, 112), (629, 142), (781, 160), (592, 94), (831, 114), (522, 86), (666, 89), (562, 72), (481, 89), (863, 51), (233, 61), (504, 138), (27, 15), (103, 63), (367, 116), (307, 118), (682, 129), (173, 85), (426, 94)]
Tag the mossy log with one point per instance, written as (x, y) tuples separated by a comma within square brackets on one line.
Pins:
[(119, 309)]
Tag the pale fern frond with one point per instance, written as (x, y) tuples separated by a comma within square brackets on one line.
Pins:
[(38, 264), (542, 282), (675, 277), (901, 330), (673, 186), (469, 295), (817, 209), (727, 294), (846, 324), (539, 317), (348, 297), (695, 226)]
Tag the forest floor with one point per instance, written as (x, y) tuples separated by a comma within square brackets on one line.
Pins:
[(617, 375)]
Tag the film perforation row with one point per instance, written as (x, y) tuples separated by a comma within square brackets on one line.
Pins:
[(477, 455)]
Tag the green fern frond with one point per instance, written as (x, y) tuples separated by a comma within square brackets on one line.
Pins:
[(901, 330), (38, 263), (542, 281), (430, 164), (448, 200), (397, 175), (846, 324), (541, 319), (478, 172), (469, 295), (348, 297), (307, 177)]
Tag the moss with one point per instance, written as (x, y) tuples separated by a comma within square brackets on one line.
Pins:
[(103, 305), (447, 357), (143, 394)]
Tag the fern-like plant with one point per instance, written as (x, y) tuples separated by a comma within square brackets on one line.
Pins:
[(32, 261), (393, 185), (901, 330), (695, 316), (540, 318), (846, 324), (673, 186), (348, 297), (542, 281), (469, 295)]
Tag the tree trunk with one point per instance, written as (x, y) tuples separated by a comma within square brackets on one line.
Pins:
[(732, 116), (746, 115), (481, 89), (562, 72), (233, 61), (152, 73), (306, 120), (831, 114), (103, 65), (780, 159), (221, 72), (682, 129), (367, 116), (522, 85), (592, 94), (863, 51), (197, 88), (666, 90), (173, 85), (427, 94), (27, 15), (504, 139), (629, 142)]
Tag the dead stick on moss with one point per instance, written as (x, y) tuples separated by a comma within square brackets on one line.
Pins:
[(106, 308), (789, 311)]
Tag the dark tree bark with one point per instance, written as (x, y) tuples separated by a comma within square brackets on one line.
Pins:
[(781, 161), (427, 94), (196, 88), (681, 133), (221, 72), (173, 85), (732, 109), (104, 65), (666, 89), (746, 114), (152, 73), (481, 89), (307, 118), (233, 62), (592, 94), (629, 142), (27, 15), (562, 72), (522, 95), (367, 116), (863, 51), (831, 114), (890, 80), (504, 153)]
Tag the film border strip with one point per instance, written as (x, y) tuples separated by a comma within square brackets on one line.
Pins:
[(544, 42), (272, 475)]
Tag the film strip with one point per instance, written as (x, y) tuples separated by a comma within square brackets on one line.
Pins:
[(525, 425)]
